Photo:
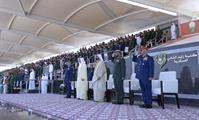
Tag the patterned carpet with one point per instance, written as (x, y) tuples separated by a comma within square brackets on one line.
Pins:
[(73, 109)]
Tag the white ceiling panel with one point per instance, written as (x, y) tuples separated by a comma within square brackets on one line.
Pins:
[(10, 4), (4, 45), (20, 49), (5, 61), (42, 54), (86, 38), (55, 32), (33, 42), (120, 8), (1, 54), (10, 36), (26, 24), (90, 17), (191, 5), (130, 23), (27, 4), (10, 55), (4, 19), (57, 9), (59, 47)]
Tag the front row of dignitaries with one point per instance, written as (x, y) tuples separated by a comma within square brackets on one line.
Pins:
[(98, 80), (144, 72)]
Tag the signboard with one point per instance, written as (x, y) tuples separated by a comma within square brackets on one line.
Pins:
[(189, 28), (186, 66)]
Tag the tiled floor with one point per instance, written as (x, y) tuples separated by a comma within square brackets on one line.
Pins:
[(73, 109), (7, 114)]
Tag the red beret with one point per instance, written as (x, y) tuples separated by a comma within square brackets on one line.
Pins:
[(143, 48)]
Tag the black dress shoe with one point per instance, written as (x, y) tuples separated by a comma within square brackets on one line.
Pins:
[(149, 106), (67, 97), (146, 106), (142, 106), (119, 103)]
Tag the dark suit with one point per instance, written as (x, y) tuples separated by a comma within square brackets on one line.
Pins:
[(68, 71)]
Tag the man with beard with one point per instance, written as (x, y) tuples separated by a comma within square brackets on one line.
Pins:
[(99, 79), (119, 76), (82, 82)]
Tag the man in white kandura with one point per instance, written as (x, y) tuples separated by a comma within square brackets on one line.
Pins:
[(44, 83), (82, 82), (32, 80), (173, 31), (99, 79), (5, 84), (50, 68), (61, 65), (138, 39)]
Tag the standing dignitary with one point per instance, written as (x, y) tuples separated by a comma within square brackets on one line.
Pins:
[(45, 69), (119, 76), (99, 79), (61, 67), (173, 31), (138, 39), (32, 80), (44, 78), (1, 83), (145, 73), (68, 76), (26, 77), (44, 84), (5, 84), (82, 82), (50, 68)]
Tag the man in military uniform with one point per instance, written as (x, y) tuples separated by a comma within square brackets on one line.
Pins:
[(145, 73), (118, 76)]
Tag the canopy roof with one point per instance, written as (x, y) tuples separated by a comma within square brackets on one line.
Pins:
[(34, 29)]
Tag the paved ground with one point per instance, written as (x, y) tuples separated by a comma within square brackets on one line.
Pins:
[(57, 106), (6, 114)]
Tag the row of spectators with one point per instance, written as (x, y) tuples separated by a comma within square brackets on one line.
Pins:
[(125, 44)]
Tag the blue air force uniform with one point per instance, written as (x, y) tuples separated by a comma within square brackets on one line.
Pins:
[(144, 70), (90, 73), (68, 72)]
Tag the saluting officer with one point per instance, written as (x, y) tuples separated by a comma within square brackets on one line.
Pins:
[(145, 73)]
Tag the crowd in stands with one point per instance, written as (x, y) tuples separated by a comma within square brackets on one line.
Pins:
[(125, 44)]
